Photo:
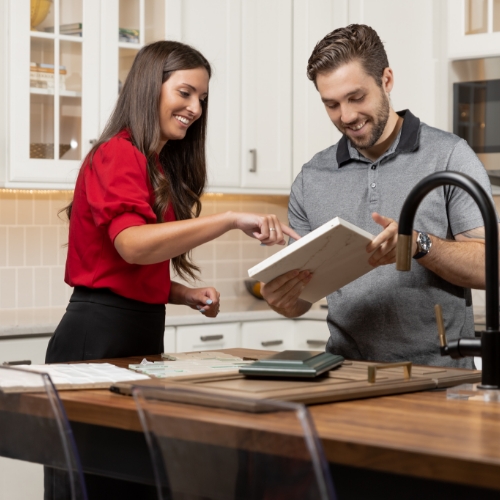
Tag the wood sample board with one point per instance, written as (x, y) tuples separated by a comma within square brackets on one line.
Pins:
[(335, 253), (350, 381)]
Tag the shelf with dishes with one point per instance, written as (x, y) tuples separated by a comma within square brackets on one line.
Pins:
[(50, 91)]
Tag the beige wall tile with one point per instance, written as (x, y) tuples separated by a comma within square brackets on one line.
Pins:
[(227, 290), (8, 209), (25, 289), (25, 209), (3, 246), (62, 244), (8, 288), (42, 286), (204, 252), (58, 287), (16, 246), (227, 250), (57, 203), (42, 214), (50, 247), (252, 250), (33, 246), (227, 270)]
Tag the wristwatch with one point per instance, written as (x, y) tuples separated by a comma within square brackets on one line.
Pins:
[(424, 245)]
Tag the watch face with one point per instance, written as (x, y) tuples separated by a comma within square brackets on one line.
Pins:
[(424, 242)]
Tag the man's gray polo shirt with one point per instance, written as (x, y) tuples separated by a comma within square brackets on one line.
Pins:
[(387, 315)]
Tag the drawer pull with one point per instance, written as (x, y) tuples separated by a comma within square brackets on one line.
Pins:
[(14, 363), (208, 338), (316, 342), (269, 343)]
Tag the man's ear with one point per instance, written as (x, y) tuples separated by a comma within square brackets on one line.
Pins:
[(387, 80)]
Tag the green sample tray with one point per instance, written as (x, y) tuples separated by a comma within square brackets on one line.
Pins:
[(308, 364)]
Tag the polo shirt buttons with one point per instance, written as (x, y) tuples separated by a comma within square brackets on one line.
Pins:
[(373, 185), (374, 167)]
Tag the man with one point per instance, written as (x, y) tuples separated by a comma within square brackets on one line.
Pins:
[(385, 315)]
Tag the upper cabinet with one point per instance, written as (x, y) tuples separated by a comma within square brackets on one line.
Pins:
[(64, 64), (49, 48), (473, 28)]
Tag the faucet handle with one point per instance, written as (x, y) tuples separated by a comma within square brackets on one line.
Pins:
[(440, 324)]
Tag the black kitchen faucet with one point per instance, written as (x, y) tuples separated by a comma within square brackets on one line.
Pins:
[(488, 346)]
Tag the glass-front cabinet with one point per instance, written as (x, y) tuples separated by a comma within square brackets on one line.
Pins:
[(473, 28), (66, 61)]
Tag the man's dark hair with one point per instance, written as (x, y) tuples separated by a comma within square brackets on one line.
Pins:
[(356, 42)]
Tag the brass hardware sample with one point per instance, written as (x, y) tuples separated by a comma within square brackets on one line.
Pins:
[(372, 370)]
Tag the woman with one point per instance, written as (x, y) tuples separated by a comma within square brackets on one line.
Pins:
[(135, 209)]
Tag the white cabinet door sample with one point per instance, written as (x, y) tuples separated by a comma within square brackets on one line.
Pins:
[(274, 335), (207, 337)]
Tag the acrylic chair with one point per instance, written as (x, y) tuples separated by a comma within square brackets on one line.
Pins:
[(35, 432), (204, 446)]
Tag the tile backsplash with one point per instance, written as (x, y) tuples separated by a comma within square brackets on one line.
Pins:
[(33, 251)]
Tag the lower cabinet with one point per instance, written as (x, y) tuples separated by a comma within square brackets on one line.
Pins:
[(205, 337), (310, 335), (24, 349), (169, 339), (274, 335)]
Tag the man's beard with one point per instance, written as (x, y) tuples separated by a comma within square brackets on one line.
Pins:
[(379, 122)]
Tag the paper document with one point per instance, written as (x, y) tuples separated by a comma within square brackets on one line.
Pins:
[(335, 253)]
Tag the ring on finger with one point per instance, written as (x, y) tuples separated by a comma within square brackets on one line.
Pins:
[(272, 229)]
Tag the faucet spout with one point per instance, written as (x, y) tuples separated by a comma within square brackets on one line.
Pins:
[(490, 338)]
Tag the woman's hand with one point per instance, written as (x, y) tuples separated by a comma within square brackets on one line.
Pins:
[(265, 227), (206, 300)]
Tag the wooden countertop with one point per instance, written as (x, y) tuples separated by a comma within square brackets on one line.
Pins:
[(423, 435)]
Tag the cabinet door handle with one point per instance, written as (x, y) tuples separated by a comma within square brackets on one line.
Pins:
[(92, 141), (207, 338), (253, 166), (269, 343), (316, 342), (14, 363)]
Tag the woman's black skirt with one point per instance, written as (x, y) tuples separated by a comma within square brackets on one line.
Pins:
[(100, 324)]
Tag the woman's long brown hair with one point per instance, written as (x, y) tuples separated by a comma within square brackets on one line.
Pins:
[(184, 175)]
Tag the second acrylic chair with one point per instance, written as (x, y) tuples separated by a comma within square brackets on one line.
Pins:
[(204, 446)]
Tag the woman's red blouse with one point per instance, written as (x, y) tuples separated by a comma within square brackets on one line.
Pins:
[(110, 196)]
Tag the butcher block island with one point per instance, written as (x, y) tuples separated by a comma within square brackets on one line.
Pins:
[(414, 445)]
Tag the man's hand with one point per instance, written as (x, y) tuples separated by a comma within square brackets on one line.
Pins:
[(384, 244), (282, 293)]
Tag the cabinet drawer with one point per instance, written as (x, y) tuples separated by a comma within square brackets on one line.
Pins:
[(32, 349), (205, 337), (276, 335), (310, 335)]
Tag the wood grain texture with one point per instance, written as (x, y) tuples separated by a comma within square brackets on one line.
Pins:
[(419, 434)]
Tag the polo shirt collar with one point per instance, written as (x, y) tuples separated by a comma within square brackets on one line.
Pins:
[(408, 139)]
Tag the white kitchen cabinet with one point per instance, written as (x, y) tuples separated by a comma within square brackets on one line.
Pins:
[(310, 335), (207, 337), (267, 48), (249, 45), (23, 349), (273, 335), (473, 28), (169, 339), (60, 81), (47, 82)]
